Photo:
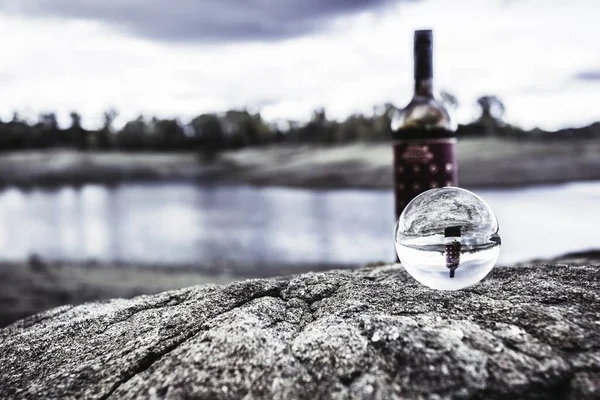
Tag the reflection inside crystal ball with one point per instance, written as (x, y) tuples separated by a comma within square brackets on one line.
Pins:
[(448, 238)]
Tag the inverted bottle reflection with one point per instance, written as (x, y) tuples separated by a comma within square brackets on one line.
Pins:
[(452, 247)]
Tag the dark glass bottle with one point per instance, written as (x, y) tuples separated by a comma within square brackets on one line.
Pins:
[(423, 134)]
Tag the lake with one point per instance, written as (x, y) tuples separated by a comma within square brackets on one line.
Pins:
[(241, 225)]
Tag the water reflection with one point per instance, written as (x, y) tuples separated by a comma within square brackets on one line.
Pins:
[(183, 223)]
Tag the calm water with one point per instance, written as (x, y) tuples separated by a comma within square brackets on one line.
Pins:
[(184, 223)]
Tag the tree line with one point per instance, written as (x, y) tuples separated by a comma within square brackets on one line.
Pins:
[(233, 129), (213, 132)]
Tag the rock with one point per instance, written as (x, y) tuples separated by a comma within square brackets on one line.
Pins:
[(530, 332)]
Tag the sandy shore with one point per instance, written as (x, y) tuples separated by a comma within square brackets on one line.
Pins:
[(483, 162)]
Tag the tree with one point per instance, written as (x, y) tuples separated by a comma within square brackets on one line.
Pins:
[(492, 113), (46, 132), (15, 133), (77, 135), (169, 133), (382, 129), (133, 135), (318, 130), (492, 107), (449, 99), (209, 131), (105, 134)]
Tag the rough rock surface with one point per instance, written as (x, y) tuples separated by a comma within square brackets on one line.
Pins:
[(530, 332)]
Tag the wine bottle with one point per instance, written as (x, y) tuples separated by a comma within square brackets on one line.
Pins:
[(423, 134)]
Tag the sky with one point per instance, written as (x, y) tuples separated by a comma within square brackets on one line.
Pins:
[(288, 57)]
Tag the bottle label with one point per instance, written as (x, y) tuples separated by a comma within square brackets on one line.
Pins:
[(452, 246), (420, 165)]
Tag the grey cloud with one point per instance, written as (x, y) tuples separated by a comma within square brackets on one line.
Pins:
[(588, 75), (201, 20)]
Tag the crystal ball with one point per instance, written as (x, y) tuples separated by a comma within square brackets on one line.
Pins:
[(447, 238)]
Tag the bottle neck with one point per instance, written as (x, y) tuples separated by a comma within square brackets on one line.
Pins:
[(423, 71), (424, 87)]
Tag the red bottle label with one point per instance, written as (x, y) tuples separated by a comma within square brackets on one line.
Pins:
[(452, 254), (422, 165)]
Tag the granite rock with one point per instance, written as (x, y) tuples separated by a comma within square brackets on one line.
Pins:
[(372, 333)]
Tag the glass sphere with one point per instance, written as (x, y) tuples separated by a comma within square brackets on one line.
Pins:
[(448, 238)]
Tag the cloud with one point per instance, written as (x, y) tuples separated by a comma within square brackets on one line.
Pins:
[(588, 76), (353, 61), (201, 20)]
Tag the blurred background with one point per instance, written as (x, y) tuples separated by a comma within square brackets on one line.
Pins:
[(153, 145)]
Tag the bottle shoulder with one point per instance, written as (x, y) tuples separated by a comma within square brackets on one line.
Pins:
[(424, 113)]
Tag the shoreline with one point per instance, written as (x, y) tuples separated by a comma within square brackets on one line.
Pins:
[(483, 163), (27, 288), (46, 186)]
